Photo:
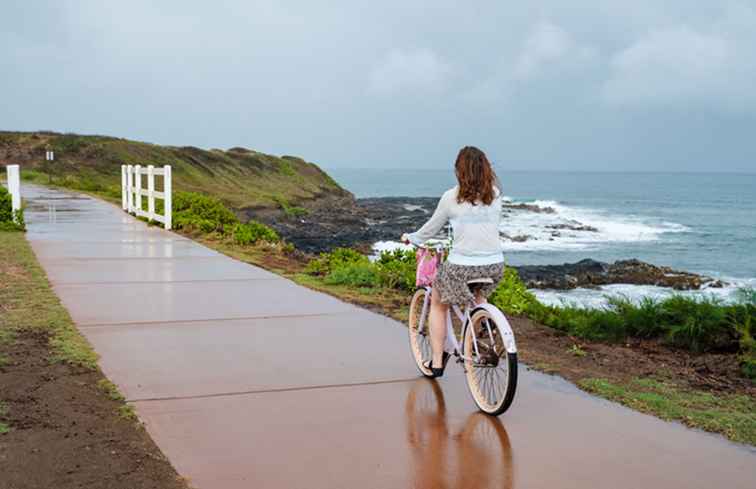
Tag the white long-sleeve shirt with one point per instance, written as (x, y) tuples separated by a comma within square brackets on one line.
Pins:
[(475, 229)]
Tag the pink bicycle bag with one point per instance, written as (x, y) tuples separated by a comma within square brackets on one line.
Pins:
[(427, 266)]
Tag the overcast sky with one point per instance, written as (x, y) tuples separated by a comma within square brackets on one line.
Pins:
[(546, 85)]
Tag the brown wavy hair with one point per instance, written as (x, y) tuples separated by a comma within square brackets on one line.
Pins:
[(475, 176)]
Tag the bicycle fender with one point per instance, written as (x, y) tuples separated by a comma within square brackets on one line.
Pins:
[(502, 323)]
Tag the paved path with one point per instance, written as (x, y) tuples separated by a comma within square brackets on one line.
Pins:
[(247, 380)]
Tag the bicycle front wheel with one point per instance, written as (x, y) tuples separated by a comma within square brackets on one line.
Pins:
[(491, 371), (419, 330)]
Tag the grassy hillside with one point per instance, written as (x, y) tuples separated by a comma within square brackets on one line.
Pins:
[(241, 177)]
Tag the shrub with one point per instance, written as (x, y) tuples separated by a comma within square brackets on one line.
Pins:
[(697, 325), (10, 220), (511, 296), (397, 269), (252, 232), (363, 274), (327, 262), (642, 320), (193, 211), (6, 205)]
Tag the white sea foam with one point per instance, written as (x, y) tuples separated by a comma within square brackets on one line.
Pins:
[(541, 228), (596, 298), (382, 246)]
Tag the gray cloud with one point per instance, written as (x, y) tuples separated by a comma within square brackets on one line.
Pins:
[(544, 85)]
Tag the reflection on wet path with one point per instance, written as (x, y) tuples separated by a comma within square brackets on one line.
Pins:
[(478, 456)]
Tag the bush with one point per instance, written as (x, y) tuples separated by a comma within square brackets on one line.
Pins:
[(9, 220), (339, 257), (697, 325), (511, 296), (198, 212), (397, 269), (642, 320), (363, 274), (252, 232)]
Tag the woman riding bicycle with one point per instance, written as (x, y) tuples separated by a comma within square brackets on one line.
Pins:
[(473, 208)]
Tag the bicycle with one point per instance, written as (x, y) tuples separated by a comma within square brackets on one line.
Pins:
[(486, 347)]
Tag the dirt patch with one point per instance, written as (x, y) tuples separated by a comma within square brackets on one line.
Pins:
[(65, 432)]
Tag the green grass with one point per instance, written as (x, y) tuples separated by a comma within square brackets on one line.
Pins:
[(110, 390), (288, 209), (126, 411), (243, 178), (730, 415)]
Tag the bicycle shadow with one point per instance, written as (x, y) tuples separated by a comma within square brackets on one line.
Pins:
[(479, 455)]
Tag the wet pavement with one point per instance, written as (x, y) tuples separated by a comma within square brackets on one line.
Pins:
[(245, 380)]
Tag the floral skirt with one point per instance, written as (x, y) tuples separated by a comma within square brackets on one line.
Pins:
[(451, 281)]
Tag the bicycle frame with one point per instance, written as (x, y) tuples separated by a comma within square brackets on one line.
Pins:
[(464, 315)]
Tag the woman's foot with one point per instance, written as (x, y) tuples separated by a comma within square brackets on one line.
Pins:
[(437, 371)]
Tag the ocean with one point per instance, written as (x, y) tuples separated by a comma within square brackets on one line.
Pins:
[(698, 222)]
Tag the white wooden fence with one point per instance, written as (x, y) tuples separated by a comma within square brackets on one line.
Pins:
[(14, 187), (132, 192)]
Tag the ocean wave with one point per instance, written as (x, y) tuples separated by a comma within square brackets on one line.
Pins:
[(575, 228), (597, 298)]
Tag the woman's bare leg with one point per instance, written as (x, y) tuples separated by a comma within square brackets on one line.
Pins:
[(438, 315)]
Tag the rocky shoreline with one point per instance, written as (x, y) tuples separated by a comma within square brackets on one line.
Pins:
[(359, 223), (591, 273)]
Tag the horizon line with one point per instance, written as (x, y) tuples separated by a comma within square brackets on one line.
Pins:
[(667, 172)]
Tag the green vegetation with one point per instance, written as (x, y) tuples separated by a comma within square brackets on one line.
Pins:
[(734, 416), (10, 220), (198, 212), (696, 324), (252, 232), (110, 390), (244, 178), (288, 209), (343, 266), (511, 295)]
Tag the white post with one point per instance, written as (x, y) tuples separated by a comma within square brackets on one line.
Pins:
[(130, 185), (151, 192), (168, 191), (14, 187), (124, 189), (138, 186)]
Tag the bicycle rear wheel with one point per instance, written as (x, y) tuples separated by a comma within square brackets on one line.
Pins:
[(419, 330), (490, 370)]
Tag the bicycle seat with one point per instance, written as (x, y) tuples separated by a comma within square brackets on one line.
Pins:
[(480, 281)]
